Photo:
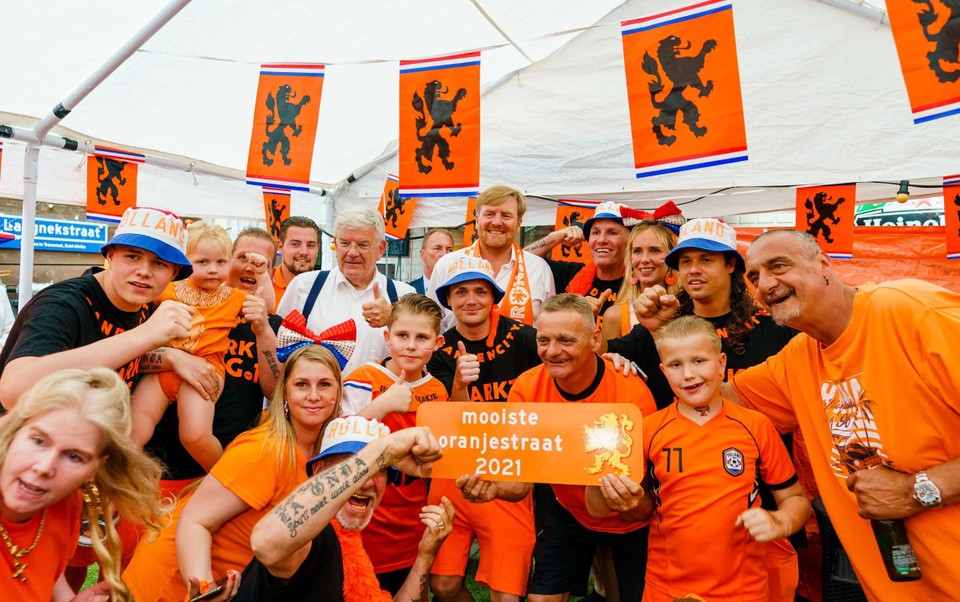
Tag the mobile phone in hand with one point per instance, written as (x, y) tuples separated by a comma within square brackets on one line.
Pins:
[(216, 588)]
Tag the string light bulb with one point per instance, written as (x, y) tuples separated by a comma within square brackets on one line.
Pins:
[(903, 194)]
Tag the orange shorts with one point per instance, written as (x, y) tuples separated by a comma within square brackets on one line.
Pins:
[(504, 531), (170, 382)]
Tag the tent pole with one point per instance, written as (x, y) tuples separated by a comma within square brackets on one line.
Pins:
[(31, 164), (40, 131)]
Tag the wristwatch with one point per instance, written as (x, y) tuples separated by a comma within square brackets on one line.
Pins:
[(925, 491)]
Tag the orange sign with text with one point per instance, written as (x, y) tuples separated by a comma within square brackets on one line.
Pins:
[(826, 213), (560, 443)]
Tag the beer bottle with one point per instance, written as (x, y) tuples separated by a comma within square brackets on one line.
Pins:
[(896, 550)]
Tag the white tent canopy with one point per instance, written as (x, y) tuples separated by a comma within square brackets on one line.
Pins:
[(823, 97)]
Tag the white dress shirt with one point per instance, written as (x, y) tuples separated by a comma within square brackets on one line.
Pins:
[(337, 302)]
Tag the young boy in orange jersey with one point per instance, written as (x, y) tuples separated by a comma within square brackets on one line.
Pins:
[(706, 459), (219, 308), (391, 392)]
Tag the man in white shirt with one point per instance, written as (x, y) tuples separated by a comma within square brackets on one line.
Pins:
[(354, 289), (525, 278)]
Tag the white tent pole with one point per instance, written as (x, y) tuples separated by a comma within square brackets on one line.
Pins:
[(31, 163)]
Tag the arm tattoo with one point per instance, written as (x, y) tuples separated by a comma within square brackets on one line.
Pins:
[(272, 362), (152, 360), (539, 244), (321, 489)]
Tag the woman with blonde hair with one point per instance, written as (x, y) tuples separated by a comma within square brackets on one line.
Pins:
[(210, 535), (65, 449), (647, 248)]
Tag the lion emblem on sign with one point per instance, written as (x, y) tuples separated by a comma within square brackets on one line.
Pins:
[(819, 211), (609, 437), (394, 207), (441, 116), (574, 219), (682, 72), (287, 111), (942, 27), (109, 174)]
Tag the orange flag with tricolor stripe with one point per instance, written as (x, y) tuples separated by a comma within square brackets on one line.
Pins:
[(925, 34), (573, 213), (470, 223), (111, 183), (276, 208), (951, 214), (439, 152), (285, 125), (396, 211), (827, 214), (683, 87)]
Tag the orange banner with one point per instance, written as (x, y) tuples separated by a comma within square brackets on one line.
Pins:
[(683, 87), (572, 215), (111, 183), (562, 443), (440, 126), (276, 208), (470, 220), (396, 211), (826, 212), (951, 214), (926, 39), (285, 125), (889, 253)]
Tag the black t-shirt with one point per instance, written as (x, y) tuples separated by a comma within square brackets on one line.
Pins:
[(514, 351), (319, 578), (237, 409), (638, 347), (565, 271), (766, 338), (69, 315)]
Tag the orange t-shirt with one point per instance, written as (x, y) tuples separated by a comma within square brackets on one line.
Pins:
[(47, 561), (250, 469), (885, 392), (703, 477), (536, 385), (218, 312), (394, 532), (279, 286)]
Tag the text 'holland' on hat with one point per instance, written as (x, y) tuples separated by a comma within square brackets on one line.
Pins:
[(465, 269), (348, 435), (155, 230), (606, 210), (707, 234)]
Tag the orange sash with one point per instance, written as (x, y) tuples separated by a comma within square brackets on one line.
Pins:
[(517, 303)]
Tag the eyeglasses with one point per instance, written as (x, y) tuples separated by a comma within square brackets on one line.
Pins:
[(361, 247)]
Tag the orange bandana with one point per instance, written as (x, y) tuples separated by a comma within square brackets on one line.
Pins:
[(517, 303)]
